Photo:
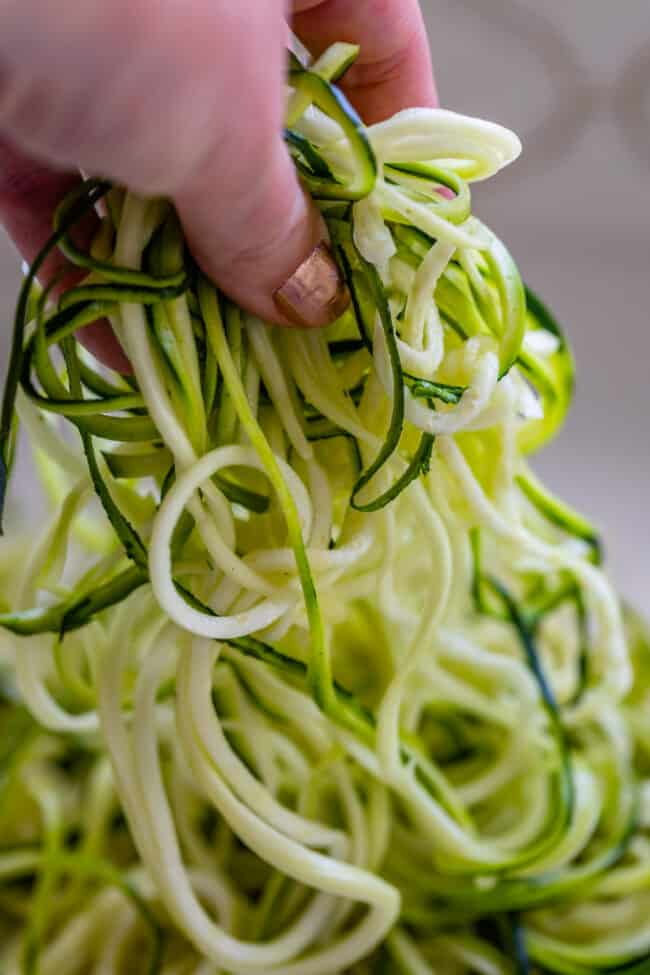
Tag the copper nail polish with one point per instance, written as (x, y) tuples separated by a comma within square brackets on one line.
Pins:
[(315, 295)]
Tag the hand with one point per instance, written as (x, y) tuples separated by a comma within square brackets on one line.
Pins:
[(185, 98)]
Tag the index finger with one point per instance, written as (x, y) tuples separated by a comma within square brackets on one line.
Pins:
[(394, 66)]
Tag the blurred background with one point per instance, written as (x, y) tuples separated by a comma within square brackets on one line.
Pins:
[(572, 77)]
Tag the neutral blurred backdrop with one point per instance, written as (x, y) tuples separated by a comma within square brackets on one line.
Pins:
[(572, 77)]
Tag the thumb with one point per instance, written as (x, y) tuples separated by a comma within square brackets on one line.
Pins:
[(249, 222)]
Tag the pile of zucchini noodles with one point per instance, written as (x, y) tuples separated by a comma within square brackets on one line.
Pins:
[(307, 673)]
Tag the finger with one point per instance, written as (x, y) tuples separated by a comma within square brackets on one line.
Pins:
[(29, 195), (394, 66), (187, 103), (249, 222)]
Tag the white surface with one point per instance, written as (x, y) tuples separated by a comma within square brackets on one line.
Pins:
[(574, 81)]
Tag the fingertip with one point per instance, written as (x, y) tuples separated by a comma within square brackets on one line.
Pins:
[(393, 70), (403, 80)]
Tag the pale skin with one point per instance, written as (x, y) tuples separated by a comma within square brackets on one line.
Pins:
[(185, 98)]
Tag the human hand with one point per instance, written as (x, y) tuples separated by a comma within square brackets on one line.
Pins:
[(185, 98)]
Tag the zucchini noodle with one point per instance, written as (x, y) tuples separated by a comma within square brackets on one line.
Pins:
[(305, 672)]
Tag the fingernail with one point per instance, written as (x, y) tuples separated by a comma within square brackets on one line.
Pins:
[(315, 295)]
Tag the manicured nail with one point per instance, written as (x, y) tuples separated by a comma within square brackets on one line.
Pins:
[(315, 295)]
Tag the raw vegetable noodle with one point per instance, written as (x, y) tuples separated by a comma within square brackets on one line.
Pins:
[(306, 672)]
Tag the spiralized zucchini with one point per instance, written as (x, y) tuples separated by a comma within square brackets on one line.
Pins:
[(307, 673)]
